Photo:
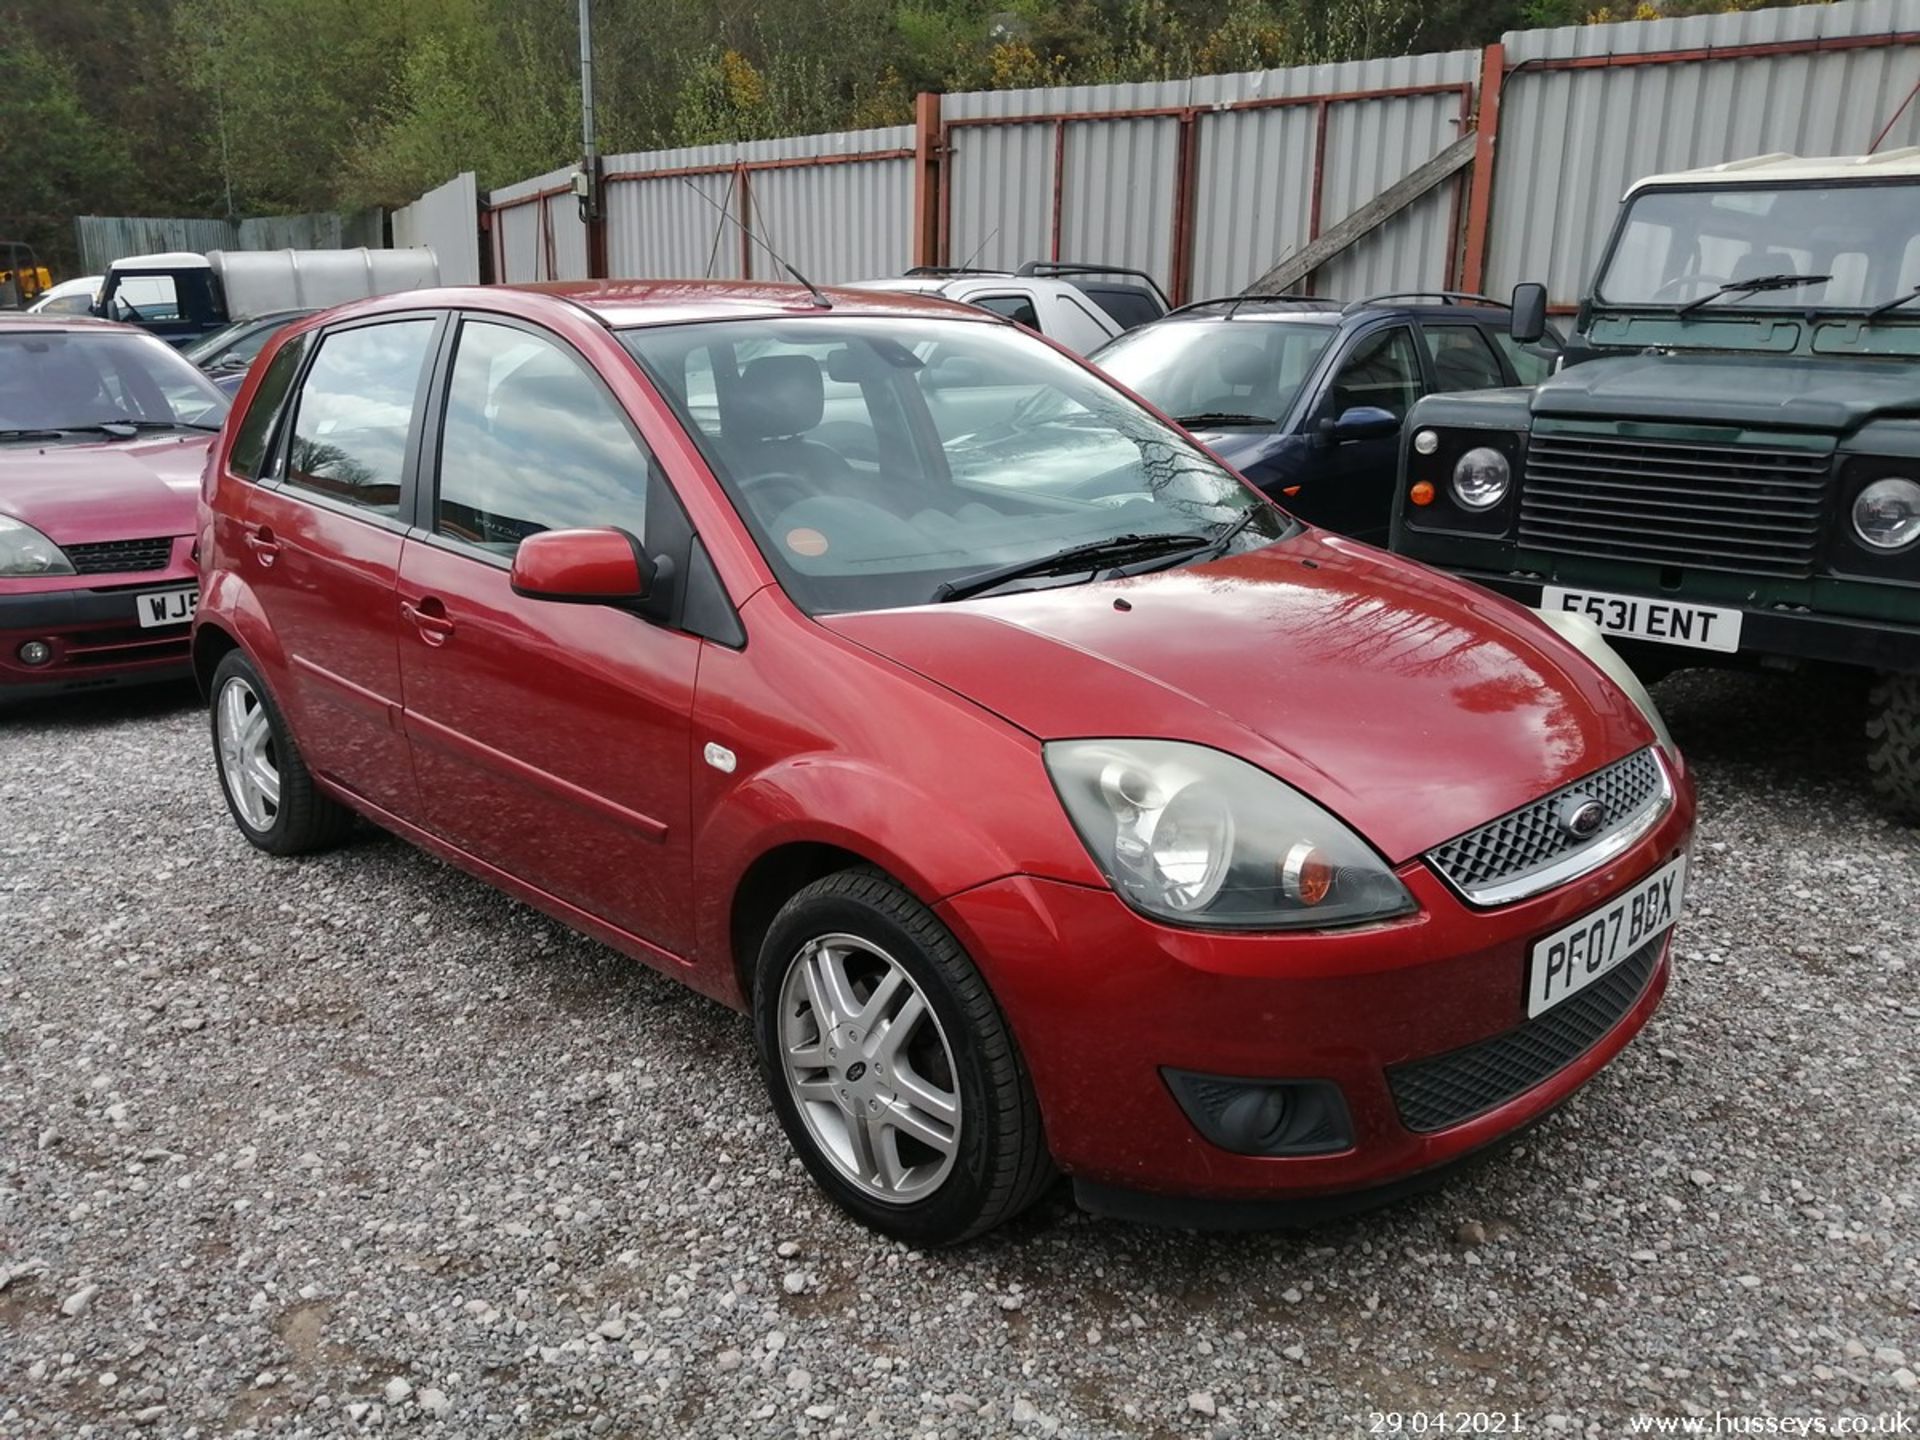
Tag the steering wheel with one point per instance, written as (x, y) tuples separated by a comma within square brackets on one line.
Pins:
[(775, 491), (1701, 280)]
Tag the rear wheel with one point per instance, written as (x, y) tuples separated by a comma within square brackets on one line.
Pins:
[(269, 791), (891, 1067), (1893, 743)]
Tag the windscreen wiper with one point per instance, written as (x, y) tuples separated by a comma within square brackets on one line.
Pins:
[(32, 432), (1224, 417), (1217, 546), (113, 426), (1891, 305), (1094, 556), (1754, 286)]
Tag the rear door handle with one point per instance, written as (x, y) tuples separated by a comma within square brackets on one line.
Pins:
[(263, 545), (430, 618)]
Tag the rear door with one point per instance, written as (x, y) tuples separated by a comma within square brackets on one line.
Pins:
[(321, 550), (551, 740)]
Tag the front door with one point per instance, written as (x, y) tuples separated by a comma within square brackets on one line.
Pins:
[(322, 554), (551, 740), (1349, 483)]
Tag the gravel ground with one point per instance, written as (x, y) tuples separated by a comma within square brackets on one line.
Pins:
[(311, 1148)]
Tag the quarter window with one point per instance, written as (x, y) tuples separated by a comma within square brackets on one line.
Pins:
[(355, 409), (250, 442), (532, 442), (1017, 308), (1380, 370)]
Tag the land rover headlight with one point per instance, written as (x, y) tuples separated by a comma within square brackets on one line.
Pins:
[(1886, 514), (25, 551), (1480, 478), (1587, 637), (1196, 836)]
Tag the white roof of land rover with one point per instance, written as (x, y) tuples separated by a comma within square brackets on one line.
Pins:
[(1767, 169)]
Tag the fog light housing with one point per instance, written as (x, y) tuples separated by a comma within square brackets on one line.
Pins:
[(1264, 1117), (35, 652)]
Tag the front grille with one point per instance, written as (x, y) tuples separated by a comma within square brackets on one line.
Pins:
[(1449, 1089), (1750, 508), (1526, 842), (117, 557)]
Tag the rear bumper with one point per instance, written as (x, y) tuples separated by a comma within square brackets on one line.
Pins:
[(95, 636), (1789, 634)]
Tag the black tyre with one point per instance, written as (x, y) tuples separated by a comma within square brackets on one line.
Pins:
[(1893, 743), (269, 791), (890, 1065)]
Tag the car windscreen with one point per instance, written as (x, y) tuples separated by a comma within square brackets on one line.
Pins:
[(1200, 370), (876, 459), (1858, 244), (55, 380)]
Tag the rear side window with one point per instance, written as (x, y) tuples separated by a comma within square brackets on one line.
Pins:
[(1017, 308), (1129, 305), (1380, 370), (256, 426), (532, 442), (1463, 358), (355, 408)]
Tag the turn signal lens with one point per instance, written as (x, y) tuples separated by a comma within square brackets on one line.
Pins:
[(1306, 875), (1421, 493)]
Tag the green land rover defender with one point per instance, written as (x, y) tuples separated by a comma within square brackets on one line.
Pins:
[(1725, 469)]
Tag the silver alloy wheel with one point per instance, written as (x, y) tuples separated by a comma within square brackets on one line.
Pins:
[(869, 1068), (247, 758)]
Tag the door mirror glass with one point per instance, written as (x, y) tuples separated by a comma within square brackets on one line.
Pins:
[(1529, 319), (1362, 422), (586, 567)]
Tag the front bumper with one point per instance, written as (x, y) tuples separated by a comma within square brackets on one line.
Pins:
[(95, 634), (1102, 1000)]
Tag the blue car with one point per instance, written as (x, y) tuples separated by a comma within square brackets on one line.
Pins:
[(1306, 397)]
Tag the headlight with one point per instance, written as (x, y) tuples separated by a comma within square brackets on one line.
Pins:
[(25, 551), (1586, 637), (1194, 835), (1886, 516), (1480, 478)]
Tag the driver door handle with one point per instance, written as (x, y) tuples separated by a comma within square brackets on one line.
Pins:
[(430, 618), (265, 548)]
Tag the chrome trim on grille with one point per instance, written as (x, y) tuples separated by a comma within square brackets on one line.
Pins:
[(1531, 879)]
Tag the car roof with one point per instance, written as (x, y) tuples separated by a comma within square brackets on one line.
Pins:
[(1318, 310), (972, 279), (165, 260), (1902, 164), (620, 304), (10, 321)]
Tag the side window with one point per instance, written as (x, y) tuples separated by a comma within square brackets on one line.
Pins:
[(1463, 358), (355, 409), (532, 441), (1017, 308), (1380, 370), (249, 451), (1532, 363)]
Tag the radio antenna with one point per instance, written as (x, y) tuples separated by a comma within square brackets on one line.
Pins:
[(819, 296), (968, 263)]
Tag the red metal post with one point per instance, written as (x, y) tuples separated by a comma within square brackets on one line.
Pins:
[(1493, 70), (746, 223), (926, 180), (1317, 186), (1059, 182), (1185, 187)]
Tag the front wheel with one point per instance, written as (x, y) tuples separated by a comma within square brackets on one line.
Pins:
[(1893, 743), (267, 785), (890, 1066)]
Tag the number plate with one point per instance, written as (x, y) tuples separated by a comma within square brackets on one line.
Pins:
[(1572, 958), (165, 607), (1698, 627)]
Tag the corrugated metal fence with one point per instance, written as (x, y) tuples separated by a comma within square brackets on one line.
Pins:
[(1209, 183), (102, 239), (445, 220)]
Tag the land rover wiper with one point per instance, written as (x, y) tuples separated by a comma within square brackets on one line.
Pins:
[(1098, 555), (1223, 417), (1754, 287), (1891, 305)]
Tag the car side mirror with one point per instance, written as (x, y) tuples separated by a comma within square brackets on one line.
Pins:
[(583, 567), (1359, 422), (230, 364), (1528, 321)]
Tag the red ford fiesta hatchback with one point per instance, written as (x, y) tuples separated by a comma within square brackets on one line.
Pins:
[(1050, 800)]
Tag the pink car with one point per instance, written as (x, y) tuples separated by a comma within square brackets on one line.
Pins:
[(103, 433)]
